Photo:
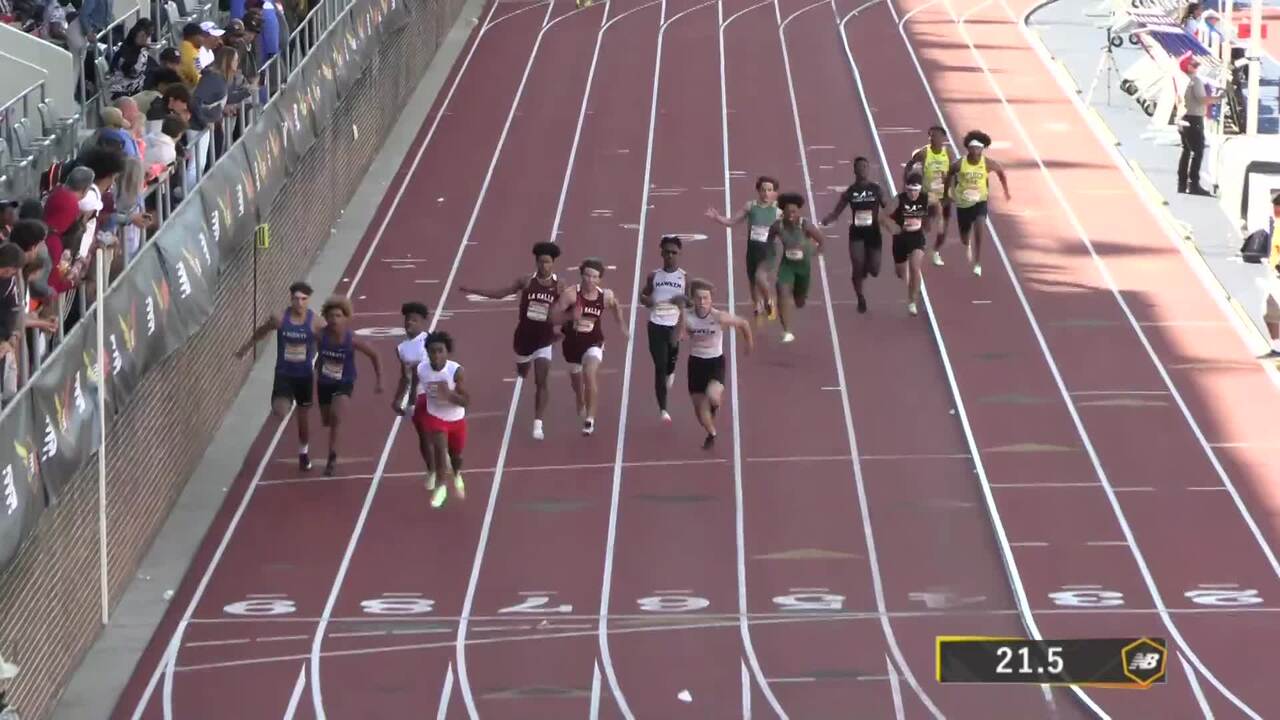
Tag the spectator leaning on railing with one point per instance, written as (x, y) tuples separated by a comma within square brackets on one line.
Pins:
[(63, 217)]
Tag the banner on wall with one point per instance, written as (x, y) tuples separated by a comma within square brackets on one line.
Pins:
[(22, 494), (64, 408)]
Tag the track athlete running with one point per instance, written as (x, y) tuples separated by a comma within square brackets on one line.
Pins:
[(296, 330), (535, 334), (759, 215), (969, 183), (913, 213), (580, 309), (705, 325), (336, 381), (932, 162), (441, 414), (665, 294), (865, 199), (795, 269), (411, 353)]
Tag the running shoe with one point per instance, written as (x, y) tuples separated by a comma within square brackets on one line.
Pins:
[(788, 337), (709, 442), (665, 416), (937, 259), (431, 481), (773, 311), (459, 487), (588, 426), (537, 430), (862, 304), (439, 495), (332, 466), (1271, 355), (304, 462), (977, 269), (911, 309)]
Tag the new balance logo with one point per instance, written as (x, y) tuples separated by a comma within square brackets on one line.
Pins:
[(1144, 661)]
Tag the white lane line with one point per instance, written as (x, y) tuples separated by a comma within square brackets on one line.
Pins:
[(165, 664), (297, 693), (446, 691), (1195, 687), (316, 694), (1012, 571), (1121, 518), (744, 629), (898, 711), (864, 509), (594, 713), (746, 689)]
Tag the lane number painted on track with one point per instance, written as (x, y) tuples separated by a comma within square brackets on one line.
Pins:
[(1087, 598), (536, 604), (1221, 598), (261, 607), (398, 605), (380, 331), (672, 603), (809, 601)]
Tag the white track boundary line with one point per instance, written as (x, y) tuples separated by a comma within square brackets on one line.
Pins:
[(877, 581), (317, 697), (1103, 270), (738, 492), (1195, 686), (1103, 478), (1198, 269), (166, 664), (997, 524), (1249, 334), (460, 646), (607, 582), (292, 709), (446, 692)]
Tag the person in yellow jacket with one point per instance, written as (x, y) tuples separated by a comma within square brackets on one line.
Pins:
[(969, 184), (932, 162)]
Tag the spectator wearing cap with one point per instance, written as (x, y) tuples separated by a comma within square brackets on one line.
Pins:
[(131, 63), (114, 131), (212, 41), (241, 38), (1196, 101), (196, 51)]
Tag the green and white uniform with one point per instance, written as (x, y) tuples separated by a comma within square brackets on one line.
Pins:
[(759, 250), (797, 248)]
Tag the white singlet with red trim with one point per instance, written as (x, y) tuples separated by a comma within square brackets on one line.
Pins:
[(437, 404)]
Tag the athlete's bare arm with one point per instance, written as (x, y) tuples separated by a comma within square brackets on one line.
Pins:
[(646, 295), (998, 169), (365, 348), (917, 158), (459, 395), (952, 172), (841, 204), (727, 221), (560, 311), (498, 294), (886, 220), (407, 375), (270, 325), (814, 235), (611, 301), (730, 320)]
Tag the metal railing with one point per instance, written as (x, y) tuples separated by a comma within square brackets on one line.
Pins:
[(179, 181), (19, 156)]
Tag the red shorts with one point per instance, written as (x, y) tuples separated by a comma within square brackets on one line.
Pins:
[(455, 431)]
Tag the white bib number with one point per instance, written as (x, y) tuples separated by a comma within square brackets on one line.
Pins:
[(795, 254), (538, 311), (295, 352), (911, 224), (972, 194), (862, 218), (437, 389), (665, 312), (759, 233), (585, 324), (331, 369), (936, 184)]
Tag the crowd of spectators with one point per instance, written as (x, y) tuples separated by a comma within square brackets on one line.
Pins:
[(158, 118)]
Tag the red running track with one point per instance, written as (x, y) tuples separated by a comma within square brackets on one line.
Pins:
[(1071, 445)]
